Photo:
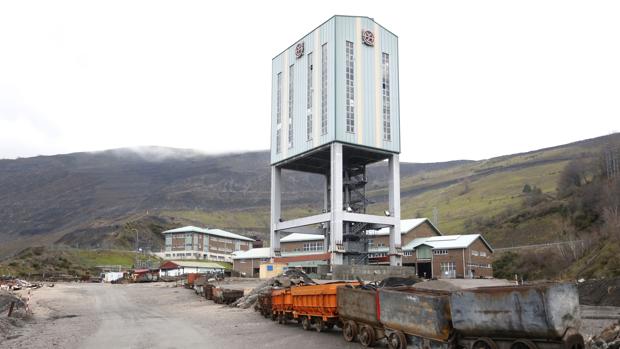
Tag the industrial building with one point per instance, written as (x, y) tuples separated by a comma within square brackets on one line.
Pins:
[(335, 110), (176, 268), (202, 243), (425, 248), (247, 263)]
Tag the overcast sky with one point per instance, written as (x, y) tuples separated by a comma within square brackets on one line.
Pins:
[(478, 78)]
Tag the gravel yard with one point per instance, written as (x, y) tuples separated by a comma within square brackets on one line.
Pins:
[(159, 315), (155, 315)]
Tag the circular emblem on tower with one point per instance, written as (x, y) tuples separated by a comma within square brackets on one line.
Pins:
[(368, 38), (299, 50)]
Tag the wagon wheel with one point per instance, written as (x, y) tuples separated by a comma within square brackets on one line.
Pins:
[(574, 341), (319, 324), (397, 340), (484, 343), (524, 344), (305, 323), (349, 331), (367, 336)]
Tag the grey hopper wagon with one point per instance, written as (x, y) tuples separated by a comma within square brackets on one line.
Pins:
[(512, 317)]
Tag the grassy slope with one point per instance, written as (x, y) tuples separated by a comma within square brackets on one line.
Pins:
[(67, 261), (494, 187)]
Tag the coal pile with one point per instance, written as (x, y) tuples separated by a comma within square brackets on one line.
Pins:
[(602, 292), (608, 339), (287, 279)]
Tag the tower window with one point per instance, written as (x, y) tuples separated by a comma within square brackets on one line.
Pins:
[(310, 95), (279, 113), (385, 92), (350, 87), (324, 89), (291, 93)]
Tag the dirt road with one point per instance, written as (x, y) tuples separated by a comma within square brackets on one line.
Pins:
[(159, 315), (152, 316)]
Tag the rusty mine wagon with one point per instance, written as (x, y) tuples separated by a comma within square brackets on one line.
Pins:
[(514, 317), (314, 306)]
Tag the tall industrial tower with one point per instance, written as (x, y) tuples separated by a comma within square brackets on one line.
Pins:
[(335, 110)]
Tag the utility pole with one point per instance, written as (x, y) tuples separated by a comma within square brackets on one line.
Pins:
[(136, 238)]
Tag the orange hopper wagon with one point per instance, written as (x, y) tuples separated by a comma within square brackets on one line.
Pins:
[(316, 305), (281, 304)]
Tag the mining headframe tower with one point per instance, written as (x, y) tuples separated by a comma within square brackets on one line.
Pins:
[(334, 111)]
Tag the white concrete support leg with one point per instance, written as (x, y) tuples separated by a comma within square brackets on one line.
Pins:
[(326, 201), (276, 209), (336, 204), (326, 197), (394, 198)]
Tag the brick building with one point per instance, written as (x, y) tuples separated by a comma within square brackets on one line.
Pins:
[(302, 244), (450, 256), (201, 243), (423, 246), (247, 263), (410, 229)]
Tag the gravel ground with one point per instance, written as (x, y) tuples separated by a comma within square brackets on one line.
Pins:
[(159, 315), (154, 315)]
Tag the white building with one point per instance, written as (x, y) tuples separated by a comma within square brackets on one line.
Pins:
[(203, 243)]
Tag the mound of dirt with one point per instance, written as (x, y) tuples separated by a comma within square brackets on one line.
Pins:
[(7, 324), (604, 292)]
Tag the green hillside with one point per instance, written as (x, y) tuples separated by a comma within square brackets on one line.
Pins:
[(483, 196), (68, 261), (120, 200)]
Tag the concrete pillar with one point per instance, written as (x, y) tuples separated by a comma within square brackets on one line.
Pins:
[(276, 208), (326, 202), (336, 204), (394, 199), (326, 197)]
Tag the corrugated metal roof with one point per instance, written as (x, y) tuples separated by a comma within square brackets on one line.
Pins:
[(446, 242), (262, 252), (191, 264), (405, 226), (216, 232), (301, 237)]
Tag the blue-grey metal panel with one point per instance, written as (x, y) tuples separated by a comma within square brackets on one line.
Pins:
[(335, 32), (417, 312), (537, 311)]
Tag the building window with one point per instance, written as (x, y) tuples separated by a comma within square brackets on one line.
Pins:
[(324, 89), (448, 270), (474, 253), (408, 253), (350, 87), (370, 242), (291, 93), (279, 113), (313, 246), (310, 94), (483, 254), (440, 252), (387, 122)]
